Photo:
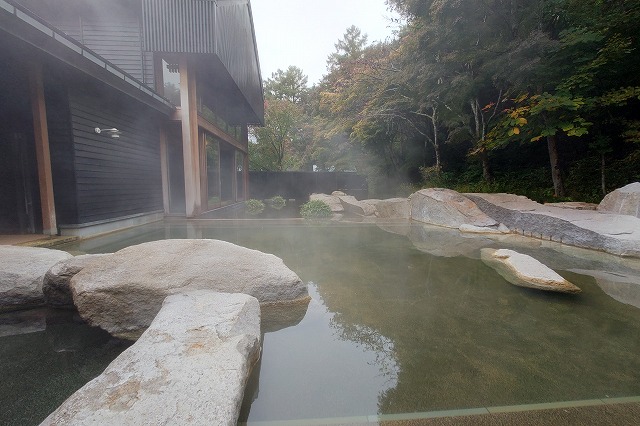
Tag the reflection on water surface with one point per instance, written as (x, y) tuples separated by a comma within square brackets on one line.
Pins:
[(413, 321)]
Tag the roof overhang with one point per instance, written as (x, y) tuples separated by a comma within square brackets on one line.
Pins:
[(218, 32), (23, 25)]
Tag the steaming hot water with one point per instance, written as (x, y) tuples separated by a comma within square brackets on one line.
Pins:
[(396, 329)]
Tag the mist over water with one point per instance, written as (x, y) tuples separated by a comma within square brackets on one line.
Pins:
[(392, 328)]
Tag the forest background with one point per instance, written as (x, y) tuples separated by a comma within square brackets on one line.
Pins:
[(533, 97)]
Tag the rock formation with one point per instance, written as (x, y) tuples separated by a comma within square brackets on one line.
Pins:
[(444, 207), (189, 367), (625, 200), (22, 271), (57, 281), (351, 205), (525, 271), (123, 292)]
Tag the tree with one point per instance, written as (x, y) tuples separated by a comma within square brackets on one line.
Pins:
[(289, 85), (278, 145), (349, 48)]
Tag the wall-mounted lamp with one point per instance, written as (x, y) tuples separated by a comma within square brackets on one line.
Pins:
[(113, 132)]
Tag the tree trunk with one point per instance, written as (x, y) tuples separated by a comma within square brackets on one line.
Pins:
[(486, 166), (558, 184), (436, 142), (603, 182)]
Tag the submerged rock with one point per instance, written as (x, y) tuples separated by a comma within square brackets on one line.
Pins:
[(525, 271), (625, 200), (57, 281), (444, 207), (121, 293), (189, 367), (22, 271)]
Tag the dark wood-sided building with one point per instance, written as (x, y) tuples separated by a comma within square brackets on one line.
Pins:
[(117, 113)]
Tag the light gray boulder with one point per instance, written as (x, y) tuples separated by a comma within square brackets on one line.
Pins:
[(123, 292), (444, 207), (525, 271), (612, 233), (57, 281), (393, 208), (189, 367), (332, 200), (625, 200), (22, 271), (352, 205)]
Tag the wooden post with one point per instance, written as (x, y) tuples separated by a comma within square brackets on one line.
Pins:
[(43, 155), (190, 143)]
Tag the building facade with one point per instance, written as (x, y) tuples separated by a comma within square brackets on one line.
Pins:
[(117, 113)]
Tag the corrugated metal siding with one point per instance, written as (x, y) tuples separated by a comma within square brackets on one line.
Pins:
[(118, 41), (114, 177), (236, 49), (184, 26), (221, 27)]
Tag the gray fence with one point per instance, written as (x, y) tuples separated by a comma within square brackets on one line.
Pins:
[(300, 185)]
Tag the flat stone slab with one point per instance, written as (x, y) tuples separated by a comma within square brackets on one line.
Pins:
[(22, 271), (525, 271), (573, 205), (189, 367), (121, 293), (612, 233)]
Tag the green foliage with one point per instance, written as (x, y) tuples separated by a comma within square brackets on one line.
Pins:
[(277, 202), (289, 85), (254, 207), (315, 209), (464, 94)]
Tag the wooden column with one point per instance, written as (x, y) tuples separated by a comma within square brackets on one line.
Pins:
[(43, 155), (190, 145)]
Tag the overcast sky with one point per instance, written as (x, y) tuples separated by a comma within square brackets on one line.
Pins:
[(303, 32)]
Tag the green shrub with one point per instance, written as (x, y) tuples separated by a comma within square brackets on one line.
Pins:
[(315, 209), (277, 202), (254, 207)]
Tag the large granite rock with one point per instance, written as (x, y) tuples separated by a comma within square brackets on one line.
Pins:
[(444, 207), (22, 271), (615, 234), (393, 208), (332, 200), (123, 292), (525, 271), (189, 367), (57, 281), (352, 205), (625, 200)]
